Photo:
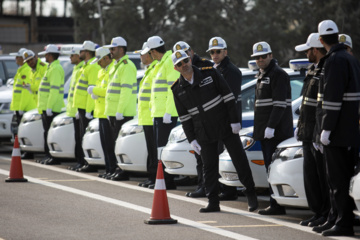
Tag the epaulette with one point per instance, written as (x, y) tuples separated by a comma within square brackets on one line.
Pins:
[(206, 68), (42, 64), (125, 62), (203, 59), (177, 80)]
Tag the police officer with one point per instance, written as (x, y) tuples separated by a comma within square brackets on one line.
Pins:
[(339, 93), (21, 95), (233, 76), (346, 40), (38, 71), (208, 113), (316, 188), (98, 92), (83, 101), (70, 109), (144, 116), (120, 99), (51, 95), (198, 62), (162, 105), (273, 121)]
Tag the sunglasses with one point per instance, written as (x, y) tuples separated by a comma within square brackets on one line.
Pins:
[(262, 56), (212, 52), (179, 64)]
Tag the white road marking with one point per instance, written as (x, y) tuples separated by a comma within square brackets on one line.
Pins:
[(253, 215)]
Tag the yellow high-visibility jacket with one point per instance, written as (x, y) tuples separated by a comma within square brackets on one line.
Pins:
[(70, 109)]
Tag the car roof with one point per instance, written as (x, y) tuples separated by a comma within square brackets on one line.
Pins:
[(7, 57)]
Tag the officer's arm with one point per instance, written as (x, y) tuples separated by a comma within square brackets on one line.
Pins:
[(127, 81), (56, 79), (171, 76), (234, 79), (92, 77), (279, 88), (26, 76), (185, 119), (336, 75), (228, 97)]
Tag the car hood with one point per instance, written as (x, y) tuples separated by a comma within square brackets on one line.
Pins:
[(291, 142), (5, 94)]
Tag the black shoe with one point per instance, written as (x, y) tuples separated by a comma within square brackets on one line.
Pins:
[(27, 155), (147, 183), (210, 208), (252, 200), (52, 161), (151, 186), (199, 193), (86, 168), (307, 221), (121, 176), (317, 222), (102, 175), (324, 227), (339, 231), (272, 211), (227, 197), (79, 165)]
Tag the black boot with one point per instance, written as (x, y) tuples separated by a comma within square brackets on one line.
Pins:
[(252, 200)]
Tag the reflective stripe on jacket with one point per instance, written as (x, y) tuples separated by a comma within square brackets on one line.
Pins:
[(21, 97)]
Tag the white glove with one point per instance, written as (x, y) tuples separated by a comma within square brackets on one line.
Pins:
[(269, 133), (49, 112), (93, 96), (296, 134), (196, 146), (108, 117), (77, 115), (236, 127), (119, 116), (90, 89), (21, 112), (88, 115), (167, 118), (324, 137)]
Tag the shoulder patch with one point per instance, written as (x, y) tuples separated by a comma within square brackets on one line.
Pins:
[(206, 68), (42, 64), (177, 80), (125, 61), (23, 76)]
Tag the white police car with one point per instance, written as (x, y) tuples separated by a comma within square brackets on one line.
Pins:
[(355, 192)]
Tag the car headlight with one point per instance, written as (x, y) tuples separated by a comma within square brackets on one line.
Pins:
[(31, 118), (5, 108), (57, 122), (288, 153), (130, 129), (247, 142), (177, 135)]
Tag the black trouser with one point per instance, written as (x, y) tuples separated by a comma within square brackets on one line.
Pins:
[(340, 163), (107, 145), (316, 187), (83, 123), (210, 157), (116, 127), (152, 160), (161, 134), (268, 147), (79, 153), (18, 117), (199, 170), (46, 122)]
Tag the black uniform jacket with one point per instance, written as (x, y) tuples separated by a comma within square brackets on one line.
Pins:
[(233, 77), (307, 119), (201, 62), (273, 103), (340, 97), (207, 107)]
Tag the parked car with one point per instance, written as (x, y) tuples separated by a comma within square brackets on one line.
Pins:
[(131, 148), (286, 174), (355, 192)]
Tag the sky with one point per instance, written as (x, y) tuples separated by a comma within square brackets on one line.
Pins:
[(9, 7)]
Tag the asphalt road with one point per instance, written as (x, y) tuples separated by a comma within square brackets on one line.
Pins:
[(57, 203)]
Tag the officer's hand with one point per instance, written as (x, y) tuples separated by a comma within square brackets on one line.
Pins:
[(77, 115), (88, 115), (21, 112), (269, 133), (93, 96), (236, 127), (296, 133), (119, 116), (324, 137), (167, 118), (49, 112), (196, 146), (90, 89)]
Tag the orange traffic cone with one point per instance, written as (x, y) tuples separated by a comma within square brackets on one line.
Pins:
[(16, 172), (160, 213)]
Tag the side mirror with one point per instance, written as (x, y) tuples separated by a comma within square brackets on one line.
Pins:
[(10, 82)]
